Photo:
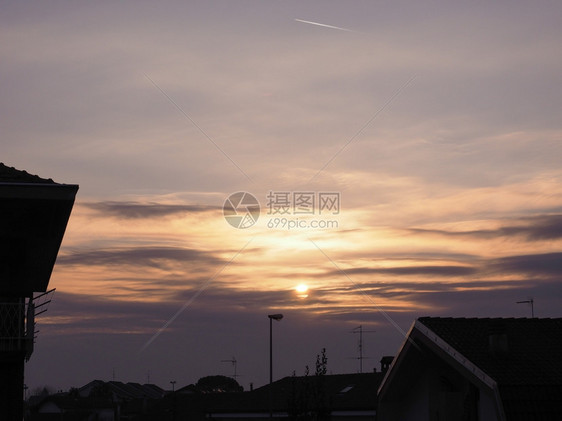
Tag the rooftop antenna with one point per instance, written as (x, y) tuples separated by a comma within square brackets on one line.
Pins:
[(359, 329), (529, 301), (234, 362)]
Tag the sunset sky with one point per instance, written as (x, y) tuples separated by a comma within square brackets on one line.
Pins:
[(437, 124)]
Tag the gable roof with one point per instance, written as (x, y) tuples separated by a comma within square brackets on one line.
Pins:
[(522, 356), (532, 347)]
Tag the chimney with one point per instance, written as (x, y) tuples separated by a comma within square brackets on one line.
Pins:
[(385, 362)]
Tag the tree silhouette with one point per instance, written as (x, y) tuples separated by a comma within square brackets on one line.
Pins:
[(217, 384), (308, 399), (321, 363), (42, 391), (320, 402)]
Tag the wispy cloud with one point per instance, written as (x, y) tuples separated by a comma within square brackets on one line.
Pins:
[(158, 257), (407, 287), (545, 264), (193, 297), (436, 270), (139, 210), (536, 228)]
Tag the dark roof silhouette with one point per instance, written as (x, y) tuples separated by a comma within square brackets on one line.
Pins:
[(528, 368), (85, 403), (34, 213), (12, 175), (534, 347), (72, 408), (122, 391), (344, 392), (136, 390)]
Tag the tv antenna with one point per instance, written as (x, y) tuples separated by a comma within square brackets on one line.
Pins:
[(359, 329), (529, 301), (234, 362)]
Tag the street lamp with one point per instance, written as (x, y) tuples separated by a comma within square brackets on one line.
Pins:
[(529, 301), (272, 317), (173, 382)]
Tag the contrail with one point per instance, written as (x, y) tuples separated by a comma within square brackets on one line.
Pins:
[(324, 25)]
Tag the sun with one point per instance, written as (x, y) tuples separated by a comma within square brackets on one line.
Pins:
[(302, 290)]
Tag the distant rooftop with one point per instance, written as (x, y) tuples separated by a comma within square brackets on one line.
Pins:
[(13, 175), (344, 392), (120, 390)]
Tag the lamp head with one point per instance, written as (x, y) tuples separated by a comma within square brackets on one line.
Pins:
[(275, 316)]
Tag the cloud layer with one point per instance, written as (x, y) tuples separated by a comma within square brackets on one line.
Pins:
[(451, 185)]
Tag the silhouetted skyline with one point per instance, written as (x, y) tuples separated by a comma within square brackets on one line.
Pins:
[(437, 125)]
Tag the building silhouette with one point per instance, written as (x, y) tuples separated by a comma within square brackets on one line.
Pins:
[(33, 217), (476, 369)]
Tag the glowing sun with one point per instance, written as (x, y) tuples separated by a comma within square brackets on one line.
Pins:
[(302, 290)]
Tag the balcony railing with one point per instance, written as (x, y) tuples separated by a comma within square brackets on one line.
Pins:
[(16, 328)]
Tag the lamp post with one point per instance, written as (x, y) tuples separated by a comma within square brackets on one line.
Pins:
[(272, 317)]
